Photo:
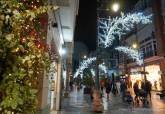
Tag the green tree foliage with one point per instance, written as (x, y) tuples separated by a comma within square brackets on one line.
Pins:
[(87, 77), (22, 57)]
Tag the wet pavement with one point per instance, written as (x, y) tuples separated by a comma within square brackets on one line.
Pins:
[(78, 103)]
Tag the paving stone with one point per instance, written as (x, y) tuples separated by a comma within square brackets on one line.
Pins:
[(78, 103)]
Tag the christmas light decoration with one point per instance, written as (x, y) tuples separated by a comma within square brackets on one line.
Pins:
[(93, 72), (23, 25), (83, 65), (110, 29), (132, 53), (103, 68)]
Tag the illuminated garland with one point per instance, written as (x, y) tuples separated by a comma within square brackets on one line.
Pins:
[(103, 68), (83, 65), (132, 53), (110, 29), (93, 72)]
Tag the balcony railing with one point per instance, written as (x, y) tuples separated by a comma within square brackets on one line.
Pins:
[(150, 54)]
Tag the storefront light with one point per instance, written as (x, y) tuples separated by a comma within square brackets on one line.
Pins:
[(152, 76), (62, 51)]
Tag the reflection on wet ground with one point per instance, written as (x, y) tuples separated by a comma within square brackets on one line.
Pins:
[(78, 103)]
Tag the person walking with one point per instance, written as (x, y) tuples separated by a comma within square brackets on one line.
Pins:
[(155, 85), (123, 89), (148, 88), (114, 88), (108, 88), (136, 91), (102, 84), (118, 86), (71, 85)]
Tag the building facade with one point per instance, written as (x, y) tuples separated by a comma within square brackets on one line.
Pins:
[(149, 39), (61, 25)]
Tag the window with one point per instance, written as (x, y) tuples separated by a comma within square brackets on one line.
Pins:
[(153, 35), (155, 48)]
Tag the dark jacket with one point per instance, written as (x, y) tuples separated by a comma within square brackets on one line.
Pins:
[(136, 88)]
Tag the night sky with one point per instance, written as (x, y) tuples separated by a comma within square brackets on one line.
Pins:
[(85, 31), (86, 24)]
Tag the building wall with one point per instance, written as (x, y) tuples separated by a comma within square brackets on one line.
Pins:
[(150, 40), (61, 34), (54, 31)]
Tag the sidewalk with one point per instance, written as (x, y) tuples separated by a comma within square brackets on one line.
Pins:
[(77, 103)]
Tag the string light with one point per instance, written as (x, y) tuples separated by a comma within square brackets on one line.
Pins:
[(132, 53), (110, 29), (17, 49), (83, 65), (39, 45), (93, 72), (23, 40), (103, 68)]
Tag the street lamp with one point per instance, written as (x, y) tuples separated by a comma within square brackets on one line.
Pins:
[(115, 6), (62, 51), (85, 57), (134, 45)]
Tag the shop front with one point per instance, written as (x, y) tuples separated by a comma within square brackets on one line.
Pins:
[(152, 74)]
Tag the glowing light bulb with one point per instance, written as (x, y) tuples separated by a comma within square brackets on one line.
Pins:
[(115, 7), (134, 46)]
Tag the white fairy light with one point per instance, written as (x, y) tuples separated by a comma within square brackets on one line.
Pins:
[(52, 70), (109, 29), (132, 53), (83, 65), (103, 68), (93, 72)]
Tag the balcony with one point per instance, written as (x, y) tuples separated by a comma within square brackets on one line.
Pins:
[(149, 54)]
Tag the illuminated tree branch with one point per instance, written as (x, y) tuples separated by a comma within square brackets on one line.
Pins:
[(109, 29), (103, 68), (132, 53), (84, 64)]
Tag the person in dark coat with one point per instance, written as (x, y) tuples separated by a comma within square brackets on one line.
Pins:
[(136, 90), (123, 89), (108, 89), (148, 88), (114, 88)]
